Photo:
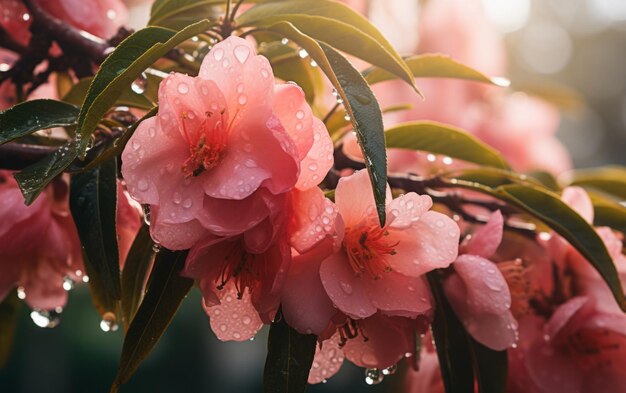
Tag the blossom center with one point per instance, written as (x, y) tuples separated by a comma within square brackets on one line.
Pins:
[(206, 146), (241, 267), (367, 250)]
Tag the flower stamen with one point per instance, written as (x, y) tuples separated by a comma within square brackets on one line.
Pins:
[(367, 251)]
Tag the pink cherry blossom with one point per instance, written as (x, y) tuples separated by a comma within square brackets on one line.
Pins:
[(378, 341), (39, 267), (479, 293), (224, 150)]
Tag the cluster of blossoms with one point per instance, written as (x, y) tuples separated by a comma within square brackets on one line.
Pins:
[(233, 168)]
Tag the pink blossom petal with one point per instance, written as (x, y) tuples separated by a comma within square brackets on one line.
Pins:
[(485, 240), (175, 236), (347, 291), (578, 199), (43, 285), (148, 161), (233, 319), (305, 304), (13, 209), (386, 343), (430, 243), (480, 297), (295, 115), (552, 370), (246, 79), (399, 295), (406, 209), (355, 200), (206, 256), (319, 158), (565, 314), (313, 219), (327, 361)]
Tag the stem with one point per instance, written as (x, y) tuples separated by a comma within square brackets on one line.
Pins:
[(235, 9), (330, 113)]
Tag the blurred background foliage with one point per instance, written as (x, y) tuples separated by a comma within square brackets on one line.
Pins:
[(553, 45)]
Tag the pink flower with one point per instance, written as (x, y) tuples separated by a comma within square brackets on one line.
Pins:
[(242, 287), (127, 224), (378, 342), (478, 292), (39, 245), (224, 150), (370, 269), (579, 349)]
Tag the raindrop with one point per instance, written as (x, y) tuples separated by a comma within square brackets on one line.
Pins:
[(139, 85), (250, 163), (390, 370), (21, 293), (142, 185), (284, 41), (313, 63), (347, 117), (303, 53), (187, 203), (242, 53), (447, 160), (183, 88), (68, 283), (242, 100), (156, 247), (109, 322), (45, 318), (218, 54), (373, 376)]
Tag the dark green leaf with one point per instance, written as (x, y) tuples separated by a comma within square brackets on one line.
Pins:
[(93, 202), (288, 66), (177, 14), (129, 98), (546, 179), (135, 273), (9, 311), (125, 65), (611, 179), (452, 343), (34, 178), (434, 66), (166, 290), (490, 367), (30, 116), (289, 358), (608, 213), (346, 38), (268, 12), (549, 208), (359, 101), (445, 140)]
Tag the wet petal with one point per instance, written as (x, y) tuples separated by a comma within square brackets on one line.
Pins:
[(318, 160), (295, 116), (327, 361), (313, 219), (486, 239)]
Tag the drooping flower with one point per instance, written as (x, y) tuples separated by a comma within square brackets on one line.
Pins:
[(241, 286), (39, 245), (224, 149), (478, 292)]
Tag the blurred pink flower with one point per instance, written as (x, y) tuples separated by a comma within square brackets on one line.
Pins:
[(127, 224), (39, 245), (224, 150), (478, 292)]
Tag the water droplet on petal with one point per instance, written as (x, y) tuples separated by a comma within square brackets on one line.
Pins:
[(21, 293), (242, 53), (183, 88), (390, 370), (300, 115), (45, 318), (218, 54), (373, 376), (187, 203), (142, 185), (250, 163), (68, 283)]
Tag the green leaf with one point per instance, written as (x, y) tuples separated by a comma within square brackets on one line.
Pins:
[(346, 38), (289, 358), (608, 213), (610, 179), (288, 66), (34, 178), (433, 65), (125, 65), (177, 14), (166, 290), (30, 116), (135, 272), (451, 342), (446, 140), (93, 202), (129, 98), (268, 12), (9, 312), (359, 101), (549, 208), (491, 177), (490, 367)]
